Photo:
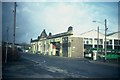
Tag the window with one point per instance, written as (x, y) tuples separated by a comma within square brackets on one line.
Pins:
[(85, 38), (116, 42), (107, 42), (119, 42), (101, 41), (95, 41), (90, 41), (110, 41), (87, 42)]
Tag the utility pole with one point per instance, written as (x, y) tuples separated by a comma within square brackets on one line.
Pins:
[(6, 46), (105, 44), (98, 39), (14, 25)]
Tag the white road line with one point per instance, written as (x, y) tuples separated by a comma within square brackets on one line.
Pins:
[(55, 69)]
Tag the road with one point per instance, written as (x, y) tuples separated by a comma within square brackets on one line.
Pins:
[(40, 66)]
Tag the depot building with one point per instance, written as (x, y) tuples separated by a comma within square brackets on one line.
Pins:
[(67, 44), (91, 39), (63, 44)]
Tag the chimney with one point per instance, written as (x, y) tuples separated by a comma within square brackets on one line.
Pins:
[(70, 29), (31, 39), (50, 34)]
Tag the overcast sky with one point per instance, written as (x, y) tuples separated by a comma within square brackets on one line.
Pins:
[(56, 17)]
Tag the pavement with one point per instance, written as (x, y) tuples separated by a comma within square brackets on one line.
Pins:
[(109, 63)]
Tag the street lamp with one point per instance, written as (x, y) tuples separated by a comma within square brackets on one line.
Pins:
[(97, 38), (105, 45)]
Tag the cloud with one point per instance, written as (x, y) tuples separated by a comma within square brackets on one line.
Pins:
[(56, 17), (64, 15)]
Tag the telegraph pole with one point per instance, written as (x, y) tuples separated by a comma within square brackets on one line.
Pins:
[(14, 25), (6, 46), (105, 44), (105, 38)]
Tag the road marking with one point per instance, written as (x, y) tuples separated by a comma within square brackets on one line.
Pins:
[(55, 69)]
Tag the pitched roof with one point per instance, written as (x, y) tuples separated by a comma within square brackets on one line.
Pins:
[(92, 34), (34, 40), (61, 34), (43, 34), (113, 33)]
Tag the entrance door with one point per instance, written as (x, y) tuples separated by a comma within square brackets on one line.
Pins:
[(65, 49), (56, 48)]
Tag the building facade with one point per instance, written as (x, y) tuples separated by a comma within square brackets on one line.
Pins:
[(90, 39), (67, 44), (63, 44)]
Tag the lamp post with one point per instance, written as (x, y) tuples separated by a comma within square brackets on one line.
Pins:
[(105, 45), (97, 37)]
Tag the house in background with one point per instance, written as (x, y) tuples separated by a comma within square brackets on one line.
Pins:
[(64, 44)]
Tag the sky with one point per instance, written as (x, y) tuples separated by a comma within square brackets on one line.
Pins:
[(56, 17)]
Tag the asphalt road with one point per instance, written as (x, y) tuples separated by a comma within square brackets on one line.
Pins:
[(39, 66)]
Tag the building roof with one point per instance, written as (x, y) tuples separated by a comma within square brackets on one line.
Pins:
[(45, 36), (92, 34), (61, 34), (69, 32), (114, 35), (34, 40)]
